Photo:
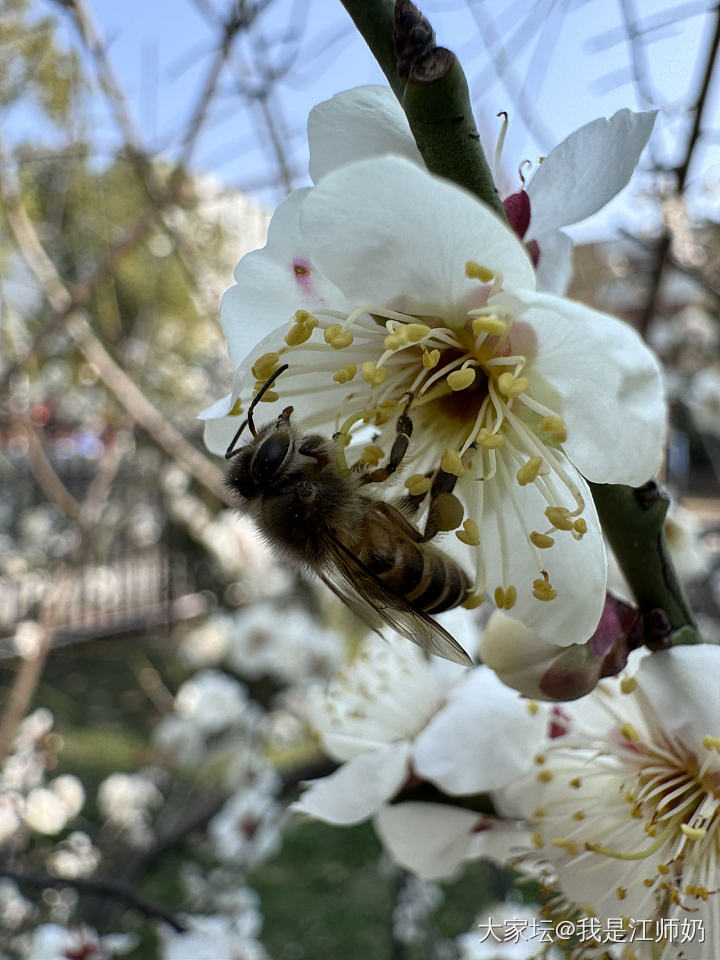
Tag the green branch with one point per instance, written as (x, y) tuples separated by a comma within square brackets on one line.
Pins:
[(431, 86)]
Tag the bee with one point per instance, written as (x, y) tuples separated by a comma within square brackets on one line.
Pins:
[(366, 550)]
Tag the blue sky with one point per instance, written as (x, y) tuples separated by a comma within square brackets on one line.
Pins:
[(565, 59)]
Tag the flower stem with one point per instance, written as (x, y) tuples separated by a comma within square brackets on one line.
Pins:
[(431, 87), (633, 520)]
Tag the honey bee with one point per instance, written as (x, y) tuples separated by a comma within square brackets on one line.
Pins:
[(365, 550)]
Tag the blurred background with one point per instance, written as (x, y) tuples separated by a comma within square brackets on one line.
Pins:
[(154, 657)]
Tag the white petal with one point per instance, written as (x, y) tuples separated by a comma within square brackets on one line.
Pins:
[(576, 568), (587, 170), (683, 687), (274, 282), (358, 788), (429, 839), (356, 124), (390, 234), (606, 382), (517, 655), (555, 267), (460, 750)]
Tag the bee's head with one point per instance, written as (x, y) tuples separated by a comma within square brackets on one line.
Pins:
[(258, 465)]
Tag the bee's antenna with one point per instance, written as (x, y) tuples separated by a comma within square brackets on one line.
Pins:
[(249, 422)]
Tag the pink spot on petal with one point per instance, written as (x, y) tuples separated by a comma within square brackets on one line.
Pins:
[(303, 273)]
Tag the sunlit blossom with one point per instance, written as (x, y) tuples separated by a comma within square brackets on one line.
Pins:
[(405, 295), (625, 800)]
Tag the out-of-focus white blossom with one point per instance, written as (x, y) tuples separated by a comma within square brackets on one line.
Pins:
[(282, 642), (75, 856), (504, 932), (126, 801), (14, 908), (210, 938), (179, 738), (213, 701), (247, 829), (414, 905), (703, 400), (49, 809), (205, 646), (52, 941)]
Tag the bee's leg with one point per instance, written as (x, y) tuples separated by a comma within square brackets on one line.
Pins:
[(445, 511), (403, 432)]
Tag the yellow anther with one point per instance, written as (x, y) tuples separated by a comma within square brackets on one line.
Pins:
[(569, 846), (629, 732), (575, 783), (537, 839), (540, 759), (538, 813), (650, 829), (461, 379), (649, 881), (474, 271), (578, 815), (237, 408), (416, 331), (510, 385), (543, 590), (693, 833), (418, 485), (663, 868), (488, 440), (337, 337), (269, 397), (473, 601), (529, 471), (372, 455), (628, 684), (491, 324), (345, 374), (545, 776), (469, 534), (636, 812), (265, 366), (305, 323), (505, 599), (555, 426), (711, 743), (541, 540), (579, 528), (621, 893), (558, 517), (372, 374), (533, 707), (393, 341), (450, 462), (430, 359)]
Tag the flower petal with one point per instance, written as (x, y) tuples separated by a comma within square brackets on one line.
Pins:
[(356, 124), (607, 383), (587, 170), (555, 267), (429, 839), (390, 234), (273, 282), (682, 686), (358, 788), (460, 751), (576, 569)]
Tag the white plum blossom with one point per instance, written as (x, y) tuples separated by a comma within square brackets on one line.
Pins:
[(213, 701), (247, 829), (209, 938), (626, 797), (126, 801), (577, 178), (52, 941), (391, 716), (506, 931), (49, 809), (402, 293), (75, 856)]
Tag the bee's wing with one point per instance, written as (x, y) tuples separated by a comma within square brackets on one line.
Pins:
[(370, 599)]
